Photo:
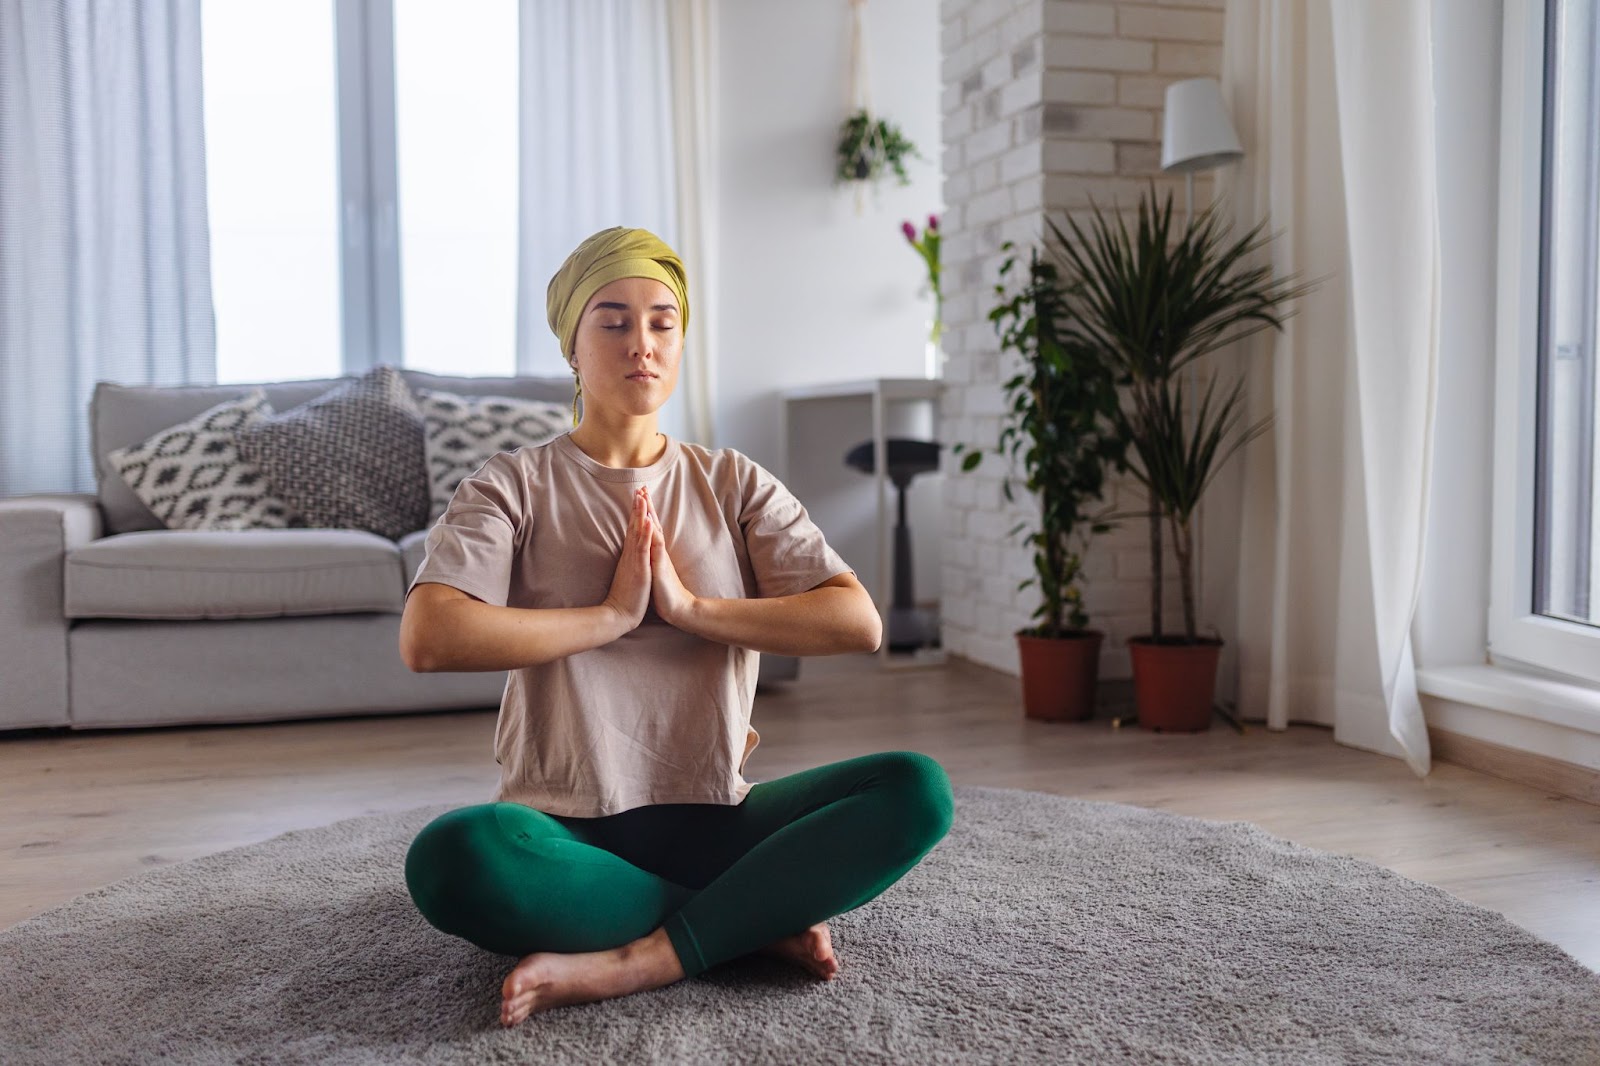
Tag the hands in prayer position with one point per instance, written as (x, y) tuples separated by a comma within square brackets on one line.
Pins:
[(645, 570)]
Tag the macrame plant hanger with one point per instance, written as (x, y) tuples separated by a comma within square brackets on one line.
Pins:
[(861, 93)]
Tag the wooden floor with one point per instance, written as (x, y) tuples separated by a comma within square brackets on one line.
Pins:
[(85, 809)]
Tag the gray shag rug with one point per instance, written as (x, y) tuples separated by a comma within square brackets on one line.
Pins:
[(1040, 929)]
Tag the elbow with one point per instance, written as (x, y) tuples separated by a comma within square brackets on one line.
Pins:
[(420, 655), (417, 659), (868, 635)]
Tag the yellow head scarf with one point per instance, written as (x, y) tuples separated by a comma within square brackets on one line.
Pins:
[(618, 252)]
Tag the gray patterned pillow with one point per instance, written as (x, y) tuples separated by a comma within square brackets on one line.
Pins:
[(192, 476), (351, 458), (464, 431)]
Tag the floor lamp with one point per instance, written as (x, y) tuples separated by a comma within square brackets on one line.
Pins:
[(1197, 134)]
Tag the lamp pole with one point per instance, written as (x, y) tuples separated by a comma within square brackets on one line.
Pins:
[(1197, 134)]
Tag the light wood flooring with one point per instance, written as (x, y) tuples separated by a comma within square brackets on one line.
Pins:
[(85, 809)]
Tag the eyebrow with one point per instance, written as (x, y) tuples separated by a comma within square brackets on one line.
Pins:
[(609, 306)]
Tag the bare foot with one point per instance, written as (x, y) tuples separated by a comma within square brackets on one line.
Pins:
[(549, 979), (812, 949)]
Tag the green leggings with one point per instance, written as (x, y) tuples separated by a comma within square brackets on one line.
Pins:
[(725, 880)]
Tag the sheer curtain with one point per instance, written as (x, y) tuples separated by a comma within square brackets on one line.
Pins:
[(615, 106), (1335, 108), (104, 261)]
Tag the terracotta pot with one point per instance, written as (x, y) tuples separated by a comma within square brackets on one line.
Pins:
[(1173, 683), (1059, 675)]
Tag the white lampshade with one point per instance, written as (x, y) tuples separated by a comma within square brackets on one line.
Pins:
[(1197, 133)]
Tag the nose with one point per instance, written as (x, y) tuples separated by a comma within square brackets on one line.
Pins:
[(642, 341)]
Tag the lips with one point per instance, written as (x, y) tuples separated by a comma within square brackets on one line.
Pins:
[(642, 377)]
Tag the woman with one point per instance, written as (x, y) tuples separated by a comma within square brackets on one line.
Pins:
[(627, 581)]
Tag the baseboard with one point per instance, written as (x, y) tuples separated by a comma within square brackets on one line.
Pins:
[(1525, 768)]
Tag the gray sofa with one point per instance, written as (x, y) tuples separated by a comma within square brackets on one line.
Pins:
[(108, 619)]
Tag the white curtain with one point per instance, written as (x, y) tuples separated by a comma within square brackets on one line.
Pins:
[(615, 106), (104, 254), (693, 90), (1334, 106)]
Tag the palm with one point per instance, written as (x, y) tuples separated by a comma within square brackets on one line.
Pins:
[(671, 597)]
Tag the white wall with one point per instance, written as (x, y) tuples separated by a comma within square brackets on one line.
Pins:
[(807, 291), (1452, 616)]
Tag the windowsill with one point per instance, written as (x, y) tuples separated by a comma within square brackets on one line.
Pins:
[(1560, 703)]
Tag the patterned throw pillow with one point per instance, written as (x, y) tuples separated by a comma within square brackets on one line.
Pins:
[(464, 431), (192, 476), (351, 458)]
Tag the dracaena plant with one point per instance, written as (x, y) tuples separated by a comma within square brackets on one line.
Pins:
[(1061, 429), (1151, 300)]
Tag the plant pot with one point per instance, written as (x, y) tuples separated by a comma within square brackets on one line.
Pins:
[(1174, 682), (1059, 675)]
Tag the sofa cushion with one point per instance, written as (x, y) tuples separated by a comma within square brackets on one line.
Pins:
[(120, 415), (462, 432), (192, 476), (551, 389), (350, 459), (258, 573), (124, 415)]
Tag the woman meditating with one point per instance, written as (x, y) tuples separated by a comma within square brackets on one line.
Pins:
[(627, 581)]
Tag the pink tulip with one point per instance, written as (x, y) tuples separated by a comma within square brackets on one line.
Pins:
[(933, 222), (910, 231)]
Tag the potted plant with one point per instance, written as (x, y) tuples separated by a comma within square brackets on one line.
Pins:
[(868, 146), (1152, 302), (1062, 429)]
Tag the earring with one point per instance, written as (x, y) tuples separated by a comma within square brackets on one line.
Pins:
[(577, 391)]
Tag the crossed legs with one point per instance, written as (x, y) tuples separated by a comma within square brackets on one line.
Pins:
[(601, 907)]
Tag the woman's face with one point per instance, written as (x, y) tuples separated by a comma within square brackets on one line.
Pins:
[(628, 346)]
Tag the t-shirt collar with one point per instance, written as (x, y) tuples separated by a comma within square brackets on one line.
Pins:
[(565, 446)]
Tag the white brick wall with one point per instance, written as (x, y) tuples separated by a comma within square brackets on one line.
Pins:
[(1046, 104)]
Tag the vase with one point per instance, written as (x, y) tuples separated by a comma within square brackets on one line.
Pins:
[(933, 357)]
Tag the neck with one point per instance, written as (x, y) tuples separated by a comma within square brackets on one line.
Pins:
[(630, 442)]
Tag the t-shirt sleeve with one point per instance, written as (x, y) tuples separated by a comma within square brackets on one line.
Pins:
[(472, 545), (787, 551)]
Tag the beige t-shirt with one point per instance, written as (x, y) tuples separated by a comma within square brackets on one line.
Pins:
[(659, 715)]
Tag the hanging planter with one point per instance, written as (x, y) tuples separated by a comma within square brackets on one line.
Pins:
[(870, 147)]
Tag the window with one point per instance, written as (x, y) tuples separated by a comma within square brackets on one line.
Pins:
[(456, 112), (362, 176), (1565, 573), (1545, 600), (272, 180)]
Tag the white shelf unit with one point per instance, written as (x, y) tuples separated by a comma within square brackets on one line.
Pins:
[(880, 396)]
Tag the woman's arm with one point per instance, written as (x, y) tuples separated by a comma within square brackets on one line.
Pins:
[(445, 629), (837, 616)]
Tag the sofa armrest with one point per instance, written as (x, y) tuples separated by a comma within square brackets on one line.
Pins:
[(36, 532)]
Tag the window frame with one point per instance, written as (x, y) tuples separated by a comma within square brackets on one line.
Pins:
[(1519, 637), (369, 218)]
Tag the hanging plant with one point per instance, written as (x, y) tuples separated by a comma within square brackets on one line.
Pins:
[(869, 147)]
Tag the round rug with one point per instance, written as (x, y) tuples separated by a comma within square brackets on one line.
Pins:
[(1040, 929)]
